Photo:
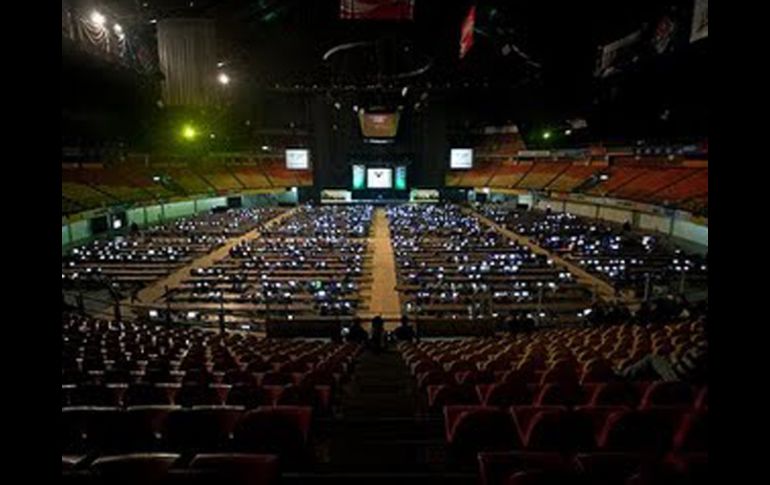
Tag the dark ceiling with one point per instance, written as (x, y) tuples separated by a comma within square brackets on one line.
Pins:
[(532, 62)]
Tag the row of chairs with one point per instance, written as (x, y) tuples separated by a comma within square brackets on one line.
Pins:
[(472, 429), (281, 430), (641, 395), (598, 468), (617, 346), (172, 469), (248, 395)]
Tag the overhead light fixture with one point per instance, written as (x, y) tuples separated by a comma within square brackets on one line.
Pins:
[(405, 91), (189, 132), (117, 28), (567, 131), (265, 148), (223, 79), (97, 18), (546, 135)]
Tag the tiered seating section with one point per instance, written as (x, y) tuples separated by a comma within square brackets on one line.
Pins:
[(552, 403), (672, 183), (625, 259), (139, 259), (310, 265), (451, 266), (91, 186), (150, 389)]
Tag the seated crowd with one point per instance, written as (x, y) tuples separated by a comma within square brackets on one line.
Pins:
[(452, 265), (611, 251), (143, 256), (310, 264)]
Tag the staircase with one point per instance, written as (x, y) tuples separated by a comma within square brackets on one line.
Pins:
[(378, 437)]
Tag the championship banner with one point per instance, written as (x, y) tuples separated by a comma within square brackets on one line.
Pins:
[(466, 35), (700, 21), (377, 9), (618, 54)]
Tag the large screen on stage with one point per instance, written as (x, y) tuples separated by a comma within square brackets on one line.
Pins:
[(461, 158), (378, 125), (379, 178), (297, 158)]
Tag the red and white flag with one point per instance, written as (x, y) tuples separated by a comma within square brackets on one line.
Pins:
[(466, 34)]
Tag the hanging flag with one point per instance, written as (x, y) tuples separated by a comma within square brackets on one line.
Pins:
[(618, 54), (700, 21), (466, 34), (377, 9)]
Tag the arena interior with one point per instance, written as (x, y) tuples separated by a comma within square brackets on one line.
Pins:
[(384, 241)]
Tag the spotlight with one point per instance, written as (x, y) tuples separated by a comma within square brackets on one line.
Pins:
[(189, 132), (97, 18), (118, 29), (404, 91), (265, 148), (568, 131), (546, 135), (223, 79)]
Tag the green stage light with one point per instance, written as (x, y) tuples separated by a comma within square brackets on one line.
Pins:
[(189, 132), (546, 135)]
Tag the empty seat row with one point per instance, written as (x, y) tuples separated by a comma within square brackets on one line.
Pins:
[(601, 468), (470, 429), (242, 394), (172, 469), (282, 430), (512, 392)]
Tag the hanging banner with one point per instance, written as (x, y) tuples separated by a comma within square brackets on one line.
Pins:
[(700, 21), (617, 54), (466, 35)]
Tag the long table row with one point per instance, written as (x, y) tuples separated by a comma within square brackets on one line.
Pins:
[(451, 263)]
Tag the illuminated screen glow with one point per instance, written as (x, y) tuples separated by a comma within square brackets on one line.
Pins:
[(359, 177), (400, 178), (379, 178), (461, 158), (378, 125), (297, 159)]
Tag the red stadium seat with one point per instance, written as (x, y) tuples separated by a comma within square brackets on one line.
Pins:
[(239, 468), (471, 429), (144, 468)]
